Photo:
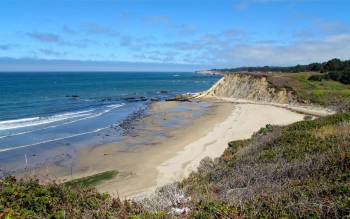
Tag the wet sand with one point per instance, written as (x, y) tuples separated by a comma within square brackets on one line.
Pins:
[(169, 142), (153, 139)]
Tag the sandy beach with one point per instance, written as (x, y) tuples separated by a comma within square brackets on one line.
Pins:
[(153, 139), (242, 122), (160, 150), (177, 156)]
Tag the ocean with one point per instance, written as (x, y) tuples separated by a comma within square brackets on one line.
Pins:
[(45, 111)]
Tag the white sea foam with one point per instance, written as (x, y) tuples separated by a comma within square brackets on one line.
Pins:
[(51, 140), (27, 122), (21, 123), (109, 108)]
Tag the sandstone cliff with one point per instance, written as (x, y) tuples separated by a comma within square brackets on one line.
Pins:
[(250, 87)]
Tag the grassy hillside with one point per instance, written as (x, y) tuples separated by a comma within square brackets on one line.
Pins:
[(301, 170), (324, 92), (28, 199)]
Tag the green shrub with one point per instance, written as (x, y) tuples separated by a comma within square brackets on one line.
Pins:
[(341, 76), (263, 131), (316, 78), (27, 198)]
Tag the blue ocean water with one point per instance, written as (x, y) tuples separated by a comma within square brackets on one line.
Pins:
[(49, 109)]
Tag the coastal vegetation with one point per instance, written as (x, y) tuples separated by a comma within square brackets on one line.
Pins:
[(300, 170), (27, 198), (333, 65), (92, 180), (326, 83), (323, 92), (341, 76)]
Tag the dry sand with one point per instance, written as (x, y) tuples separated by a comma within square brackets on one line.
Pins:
[(143, 162), (153, 140), (304, 109), (154, 155), (175, 157), (244, 120)]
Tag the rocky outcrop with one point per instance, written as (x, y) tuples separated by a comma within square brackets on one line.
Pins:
[(209, 72), (250, 87), (181, 97)]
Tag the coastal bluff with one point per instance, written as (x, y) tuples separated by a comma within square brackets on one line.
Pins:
[(251, 87)]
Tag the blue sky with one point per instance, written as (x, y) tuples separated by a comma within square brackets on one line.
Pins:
[(180, 34)]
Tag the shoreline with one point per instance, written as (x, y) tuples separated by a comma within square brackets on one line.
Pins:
[(149, 143), (145, 161), (173, 158), (159, 160), (240, 124)]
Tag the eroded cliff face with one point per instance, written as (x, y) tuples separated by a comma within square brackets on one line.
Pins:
[(250, 87)]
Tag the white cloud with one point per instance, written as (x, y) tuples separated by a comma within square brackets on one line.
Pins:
[(182, 29), (331, 26), (45, 37), (93, 28), (299, 52)]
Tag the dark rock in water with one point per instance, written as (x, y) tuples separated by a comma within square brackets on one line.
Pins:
[(163, 91), (129, 98), (143, 98), (155, 99), (180, 97), (73, 96), (127, 125), (135, 99), (106, 99)]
